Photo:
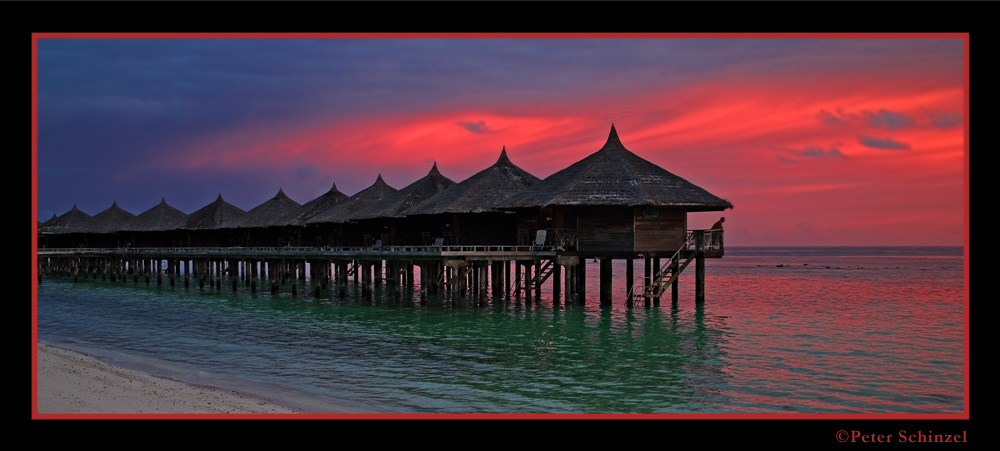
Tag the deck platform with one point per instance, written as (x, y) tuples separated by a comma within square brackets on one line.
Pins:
[(441, 266)]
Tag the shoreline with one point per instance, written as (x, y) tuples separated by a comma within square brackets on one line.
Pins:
[(72, 383)]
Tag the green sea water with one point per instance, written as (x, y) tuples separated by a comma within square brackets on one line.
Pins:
[(796, 330)]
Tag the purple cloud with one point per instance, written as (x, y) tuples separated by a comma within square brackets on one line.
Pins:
[(887, 143), (942, 119), (816, 152), (829, 119), (888, 119), (474, 127)]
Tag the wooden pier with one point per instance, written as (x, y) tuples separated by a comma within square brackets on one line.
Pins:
[(501, 231), (507, 271)]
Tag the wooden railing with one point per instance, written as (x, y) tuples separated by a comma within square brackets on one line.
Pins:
[(711, 245), (333, 251), (557, 240)]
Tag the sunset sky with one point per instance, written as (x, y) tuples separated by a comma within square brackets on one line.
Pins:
[(814, 140)]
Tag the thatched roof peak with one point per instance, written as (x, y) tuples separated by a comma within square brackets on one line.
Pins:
[(114, 206), (479, 193), (614, 176), (159, 218), (266, 214), (113, 219), (614, 142), (314, 207), (503, 160), (218, 214), (69, 222), (345, 210), (395, 204)]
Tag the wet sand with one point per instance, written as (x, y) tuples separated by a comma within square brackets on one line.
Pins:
[(74, 383)]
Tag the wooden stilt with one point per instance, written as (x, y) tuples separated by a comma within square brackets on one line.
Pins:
[(629, 281), (606, 276), (647, 278), (675, 268), (581, 281), (556, 282), (699, 290), (656, 270)]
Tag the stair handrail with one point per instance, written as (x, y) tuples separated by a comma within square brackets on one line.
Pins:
[(659, 274)]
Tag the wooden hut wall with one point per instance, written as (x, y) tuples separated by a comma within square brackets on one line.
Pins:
[(265, 237), (324, 234), (165, 238), (410, 230), (529, 222), (215, 238), (107, 240), (67, 240), (353, 233), (564, 223), (605, 231), (527, 226), (486, 229), (287, 234), (368, 229), (659, 231)]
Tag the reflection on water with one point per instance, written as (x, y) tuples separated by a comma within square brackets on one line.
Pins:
[(799, 337)]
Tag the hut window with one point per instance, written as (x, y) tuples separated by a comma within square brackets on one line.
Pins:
[(650, 212), (531, 217)]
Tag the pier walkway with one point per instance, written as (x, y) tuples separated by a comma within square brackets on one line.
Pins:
[(460, 268)]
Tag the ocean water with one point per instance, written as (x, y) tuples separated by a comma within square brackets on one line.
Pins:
[(783, 330)]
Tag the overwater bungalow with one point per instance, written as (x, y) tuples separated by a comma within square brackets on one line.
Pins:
[(62, 231), (309, 210), (333, 225), (466, 213), (209, 226), (612, 204), (385, 222), (295, 221), (102, 229), (261, 225), (157, 227)]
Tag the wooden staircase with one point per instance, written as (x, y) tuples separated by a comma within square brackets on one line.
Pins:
[(540, 277), (659, 282)]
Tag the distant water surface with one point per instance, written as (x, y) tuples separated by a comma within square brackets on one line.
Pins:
[(783, 330)]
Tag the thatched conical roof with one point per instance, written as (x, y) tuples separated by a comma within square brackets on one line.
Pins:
[(614, 176), (344, 210), (69, 222), (216, 215), (159, 218), (112, 220), (394, 205), (47, 222), (480, 192), (268, 213), (314, 207)]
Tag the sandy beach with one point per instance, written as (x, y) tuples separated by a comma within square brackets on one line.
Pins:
[(74, 383)]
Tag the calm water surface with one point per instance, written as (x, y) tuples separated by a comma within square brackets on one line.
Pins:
[(794, 330)]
